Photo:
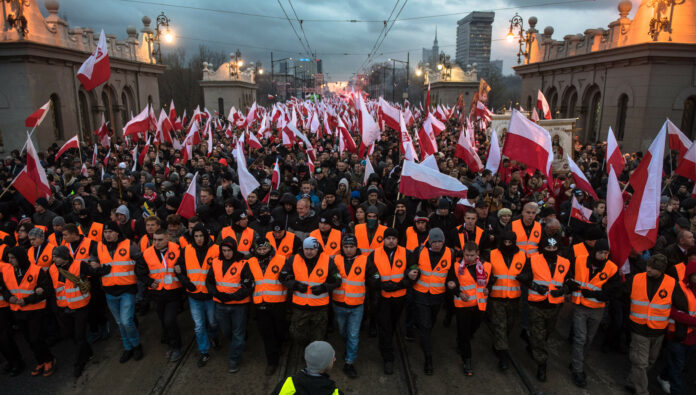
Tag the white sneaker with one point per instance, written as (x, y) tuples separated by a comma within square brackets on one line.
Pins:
[(664, 384)]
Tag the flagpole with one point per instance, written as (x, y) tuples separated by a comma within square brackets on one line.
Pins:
[(25, 143), (79, 152), (7, 188)]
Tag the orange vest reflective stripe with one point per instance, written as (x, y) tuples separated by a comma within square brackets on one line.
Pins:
[(122, 265), (542, 276), (317, 277), (161, 271), (582, 277), (197, 271), (391, 272), (352, 289), (230, 281), (506, 286), (529, 245), (68, 294), (24, 288), (460, 231), (469, 286), (432, 280), (366, 246), (412, 239), (691, 298), (653, 313), (46, 257), (81, 253), (247, 239), (579, 249), (267, 288), (285, 247), (333, 244)]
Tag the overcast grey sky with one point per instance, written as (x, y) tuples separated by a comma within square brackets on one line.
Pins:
[(257, 36)]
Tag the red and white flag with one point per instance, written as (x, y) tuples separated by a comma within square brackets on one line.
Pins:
[(619, 243), (390, 115), (643, 212), (494, 157), (346, 142), (314, 125), (528, 143), (96, 69), (368, 127), (144, 152), (83, 170), (32, 182), (251, 115), (687, 166), (138, 124), (72, 143), (543, 105), (466, 152), (677, 140), (187, 207), (422, 182), (247, 182), (407, 147), (369, 170), (426, 136), (103, 133), (172, 112), (580, 212), (275, 177), (427, 100), (37, 116), (535, 115), (94, 155), (106, 158), (164, 127), (613, 155), (580, 179), (253, 142)]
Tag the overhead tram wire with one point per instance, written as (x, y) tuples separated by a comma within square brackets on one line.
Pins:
[(294, 30), (370, 57), (384, 27), (301, 28)]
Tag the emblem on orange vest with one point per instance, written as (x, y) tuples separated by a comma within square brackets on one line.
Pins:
[(122, 251), (30, 278), (209, 260), (170, 255), (245, 241), (82, 250), (94, 232), (285, 248), (357, 270), (233, 271), (44, 258), (379, 239), (536, 233), (333, 244), (602, 276), (398, 263), (561, 269), (518, 265), (320, 272), (443, 263), (662, 293), (275, 269)]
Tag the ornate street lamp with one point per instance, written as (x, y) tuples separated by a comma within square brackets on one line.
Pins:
[(524, 37), (162, 31)]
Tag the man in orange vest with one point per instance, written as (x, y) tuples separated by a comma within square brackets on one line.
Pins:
[(507, 262), (595, 280), (192, 269), (269, 299), (240, 231), (56, 238), (230, 282), (527, 229), (349, 298), (468, 283), (153, 223), (545, 277), (310, 276), (120, 286), (391, 269), (417, 234), (469, 231), (370, 235), (156, 270), (653, 295), (283, 242), (40, 252), (328, 237)]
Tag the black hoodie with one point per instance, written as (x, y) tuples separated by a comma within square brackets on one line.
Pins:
[(247, 278), (287, 275), (135, 254), (44, 280), (201, 252)]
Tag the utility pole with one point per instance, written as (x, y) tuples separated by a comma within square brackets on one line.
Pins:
[(393, 80), (272, 83), (408, 59)]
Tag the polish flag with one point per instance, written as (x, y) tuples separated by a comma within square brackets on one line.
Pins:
[(369, 129), (494, 157), (326, 125), (580, 179), (613, 155), (135, 157), (164, 127), (466, 152), (210, 139), (580, 212), (406, 143), (314, 125), (103, 133), (172, 113), (427, 100), (543, 105), (677, 140), (187, 151), (619, 243), (528, 143), (426, 135), (422, 182), (38, 116), (311, 166), (431, 162), (94, 155), (346, 140), (106, 158), (643, 212), (247, 182), (72, 143), (32, 182), (390, 115), (178, 124), (482, 112), (95, 70), (138, 124), (275, 177), (534, 116), (187, 207), (264, 129), (253, 142), (368, 170), (251, 115), (83, 170), (687, 166)]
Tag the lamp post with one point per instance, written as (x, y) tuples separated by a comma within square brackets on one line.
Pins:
[(273, 62), (236, 64), (162, 22), (445, 67), (408, 58), (524, 37)]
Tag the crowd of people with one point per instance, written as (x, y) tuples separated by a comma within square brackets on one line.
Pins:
[(324, 246)]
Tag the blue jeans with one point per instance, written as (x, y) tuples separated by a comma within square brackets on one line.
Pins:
[(205, 325), (232, 320), (123, 309), (677, 353), (348, 320)]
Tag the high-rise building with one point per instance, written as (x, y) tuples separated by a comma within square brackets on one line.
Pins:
[(432, 55), (474, 41)]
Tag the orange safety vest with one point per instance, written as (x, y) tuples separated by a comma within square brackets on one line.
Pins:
[(333, 244), (25, 288), (389, 272), (197, 271), (68, 294), (691, 298), (52, 240), (412, 239), (579, 249), (469, 286), (529, 245), (653, 313), (285, 247), (460, 228), (542, 276), (317, 277), (183, 242), (96, 232), (432, 280), (159, 270), (82, 251), (145, 243), (3, 235), (46, 257), (681, 271), (3, 302), (506, 286), (352, 289), (582, 277), (366, 246), (122, 265), (267, 288), (230, 281), (243, 245)]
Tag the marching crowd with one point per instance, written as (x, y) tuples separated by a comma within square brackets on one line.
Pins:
[(324, 246)]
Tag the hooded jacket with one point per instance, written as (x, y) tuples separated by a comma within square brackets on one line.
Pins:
[(201, 252), (247, 278), (287, 275), (135, 254)]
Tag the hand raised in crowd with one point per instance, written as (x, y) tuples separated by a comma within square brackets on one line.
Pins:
[(413, 274)]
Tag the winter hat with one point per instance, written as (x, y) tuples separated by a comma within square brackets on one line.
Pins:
[(42, 202), (349, 239), (58, 221), (36, 232), (229, 242), (372, 210), (319, 355), (61, 252), (391, 232), (355, 195), (443, 204), (310, 243), (238, 215), (112, 225), (601, 245), (436, 235)]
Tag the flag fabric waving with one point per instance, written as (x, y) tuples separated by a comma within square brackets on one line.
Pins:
[(494, 157), (96, 69), (528, 143), (619, 244), (580, 212), (72, 143), (37, 116), (613, 155), (422, 182), (187, 207), (580, 179)]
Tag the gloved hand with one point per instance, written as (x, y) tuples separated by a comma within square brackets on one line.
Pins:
[(519, 277), (300, 287), (540, 289), (588, 293), (572, 286), (318, 289), (239, 295), (190, 287), (556, 293), (389, 286)]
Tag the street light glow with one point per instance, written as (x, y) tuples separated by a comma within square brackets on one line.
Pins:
[(168, 37), (260, 71), (419, 72), (240, 63), (510, 37), (439, 66)]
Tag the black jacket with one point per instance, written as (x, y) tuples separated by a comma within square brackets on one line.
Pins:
[(309, 384), (287, 276)]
